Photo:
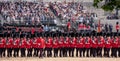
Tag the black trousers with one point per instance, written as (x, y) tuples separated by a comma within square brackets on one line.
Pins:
[(16, 52), (1, 52), (29, 52), (61, 51), (81, 51), (49, 52), (87, 50), (94, 52), (84, 49), (71, 52), (99, 51), (36, 50), (91, 52), (9, 52), (55, 52), (77, 52), (41, 51), (118, 51), (106, 52), (22, 52), (65, 51), (114, 52)]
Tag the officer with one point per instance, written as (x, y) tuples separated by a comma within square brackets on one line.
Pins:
[(41, 46)]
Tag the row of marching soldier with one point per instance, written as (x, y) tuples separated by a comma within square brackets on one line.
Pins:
[(61, 46)]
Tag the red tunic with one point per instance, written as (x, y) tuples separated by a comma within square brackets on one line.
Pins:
[(41, 43), (61, 42), (16, 43), (115, 44), (23, 43), (81, 26), (55, 43), (2, 43), (34, 43), (73, 43), (9, 43), (29, 44), (66, 42), (101, 44), (49, 43), (80, 44), (84, 27), (117, 27), (33, 31), (68, 25), (87, 44), (94, 43), (118, 42), (108, 43)]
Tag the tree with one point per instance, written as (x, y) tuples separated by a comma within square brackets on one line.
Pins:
[(109, 5)]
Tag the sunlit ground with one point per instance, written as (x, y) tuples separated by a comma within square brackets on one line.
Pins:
[(58, 59)]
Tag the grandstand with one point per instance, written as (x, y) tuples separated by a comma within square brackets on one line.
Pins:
[(49, 19)]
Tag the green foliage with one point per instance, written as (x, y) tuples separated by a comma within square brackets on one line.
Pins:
[(109, 5)]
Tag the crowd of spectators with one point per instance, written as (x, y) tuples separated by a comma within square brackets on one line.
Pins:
[(112, 16), (73, 11), (35, 12), (28, 12)]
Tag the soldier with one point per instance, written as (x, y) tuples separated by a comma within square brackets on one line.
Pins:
[(77, 46), (23, 46), (35, 47), (66, 46), (73, 45), (49, 47), (80, 45), (29, 47), (9, 42), (100, 46), (107, 47), (2, 47), (94, 46), (114, 47), (61, 46), (16, 47), (41, 46), (87, 45), (118, 45), (55, 46), (83, 38)]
